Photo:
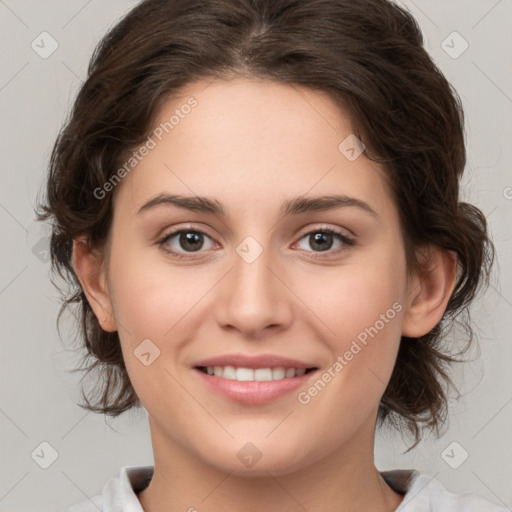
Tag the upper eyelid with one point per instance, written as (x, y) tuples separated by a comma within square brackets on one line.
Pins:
[(305, 231), (337, 230)]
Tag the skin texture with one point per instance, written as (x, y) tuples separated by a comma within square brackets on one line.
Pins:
[(252, 144)]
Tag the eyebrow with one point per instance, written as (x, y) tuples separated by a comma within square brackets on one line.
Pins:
[(295, 206)]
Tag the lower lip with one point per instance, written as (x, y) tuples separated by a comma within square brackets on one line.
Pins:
[(253, 392)]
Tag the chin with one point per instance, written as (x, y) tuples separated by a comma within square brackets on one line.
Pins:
[(247, 459)]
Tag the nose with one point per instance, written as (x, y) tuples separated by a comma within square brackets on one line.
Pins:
[(253, 298)]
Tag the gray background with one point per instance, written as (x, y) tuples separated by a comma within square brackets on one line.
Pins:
[(39, 393)]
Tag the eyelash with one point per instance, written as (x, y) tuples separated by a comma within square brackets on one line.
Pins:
[(348, 242)]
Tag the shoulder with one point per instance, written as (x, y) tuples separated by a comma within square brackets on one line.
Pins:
[(424, 493), (119, 493)]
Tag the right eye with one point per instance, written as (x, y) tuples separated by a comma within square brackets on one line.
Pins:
[(182, 241)]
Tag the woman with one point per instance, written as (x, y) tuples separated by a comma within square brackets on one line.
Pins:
[(257, 204)]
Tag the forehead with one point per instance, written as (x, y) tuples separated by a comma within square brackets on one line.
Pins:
[(251, 141)]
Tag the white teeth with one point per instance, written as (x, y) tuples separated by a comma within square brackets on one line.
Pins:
[(229, 373), (244, 374), (258, 374), (278, 373), (264, 374)]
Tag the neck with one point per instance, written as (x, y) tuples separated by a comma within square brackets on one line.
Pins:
[(344, 480)]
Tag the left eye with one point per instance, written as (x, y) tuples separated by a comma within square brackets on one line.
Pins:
[(322, 240)]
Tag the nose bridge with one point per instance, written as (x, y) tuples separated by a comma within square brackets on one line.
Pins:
[(252, 298)]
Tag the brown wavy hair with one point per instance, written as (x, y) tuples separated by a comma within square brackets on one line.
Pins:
[(369, 57)]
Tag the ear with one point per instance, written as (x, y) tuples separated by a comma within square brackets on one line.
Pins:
[(89, 268), (429, 291)]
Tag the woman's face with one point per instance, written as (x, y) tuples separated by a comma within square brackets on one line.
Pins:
[(284, 285)]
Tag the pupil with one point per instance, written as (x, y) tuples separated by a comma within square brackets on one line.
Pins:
[(190, 240), (319, 240)]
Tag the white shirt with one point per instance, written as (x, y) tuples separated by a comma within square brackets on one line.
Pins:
[(423, 493)]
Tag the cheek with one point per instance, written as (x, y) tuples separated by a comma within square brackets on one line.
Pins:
[(361, 308), (151, 302), (151, 299), (350, 300), (367, 327)]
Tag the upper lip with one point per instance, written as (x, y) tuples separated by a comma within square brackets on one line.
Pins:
[(260, 361)]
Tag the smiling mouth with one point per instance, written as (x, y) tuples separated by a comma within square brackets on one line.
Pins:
[(254, 374)]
